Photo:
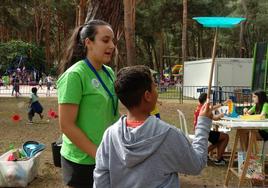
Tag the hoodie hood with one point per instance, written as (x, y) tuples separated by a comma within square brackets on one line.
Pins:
[(137, 144)]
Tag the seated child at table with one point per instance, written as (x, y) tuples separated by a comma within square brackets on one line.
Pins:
[(260, 106), (140, 150), (217, 139)]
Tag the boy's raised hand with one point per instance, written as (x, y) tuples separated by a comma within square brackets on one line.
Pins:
[(206, 110)]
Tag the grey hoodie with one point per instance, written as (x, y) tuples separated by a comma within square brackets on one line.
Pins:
[(149, 156)]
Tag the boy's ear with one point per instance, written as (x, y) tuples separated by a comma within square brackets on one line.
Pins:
[(147, 96)]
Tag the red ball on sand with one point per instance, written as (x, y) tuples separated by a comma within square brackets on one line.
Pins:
[(52, 114), (16, 117)]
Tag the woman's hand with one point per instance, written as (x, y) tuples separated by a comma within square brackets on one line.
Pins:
[(245, 111)]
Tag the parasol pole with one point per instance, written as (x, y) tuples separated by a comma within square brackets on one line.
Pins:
[(212, 64)]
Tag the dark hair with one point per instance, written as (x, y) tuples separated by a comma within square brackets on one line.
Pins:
[(131, 84), (76, 49), (34, 90), (262, 98), (202, 98)]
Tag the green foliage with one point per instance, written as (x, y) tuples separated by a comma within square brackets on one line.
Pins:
[(165, 16), (13, 49), (157, 22)]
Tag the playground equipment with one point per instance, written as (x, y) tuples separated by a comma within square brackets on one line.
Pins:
[(177, 69), (260, 66)]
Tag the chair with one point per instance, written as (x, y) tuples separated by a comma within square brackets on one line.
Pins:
[(183, 126)]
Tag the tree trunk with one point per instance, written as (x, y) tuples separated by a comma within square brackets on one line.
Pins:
[(7, 34), (59, 32), (161, 51), (129, 28), (82, 12), (1, 33), (200, 51), (242, 35), (65, 32), (30, 36), (77, 16), (39, 23), (47, 35), (111, 13), (155, 60), (184, 31), (148, 49)]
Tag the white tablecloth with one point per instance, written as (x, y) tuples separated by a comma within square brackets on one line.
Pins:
[(242, 124)]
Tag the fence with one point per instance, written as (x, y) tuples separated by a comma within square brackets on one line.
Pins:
[(241, 95), (25, 90)]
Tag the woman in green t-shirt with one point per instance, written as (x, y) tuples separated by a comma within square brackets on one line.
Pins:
[(87, 101), (260, 106)]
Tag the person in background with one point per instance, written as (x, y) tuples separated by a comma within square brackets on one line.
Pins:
[(17, 86), (34, 106), (49, 84), (217, 139), (40, 83), (259, 99)]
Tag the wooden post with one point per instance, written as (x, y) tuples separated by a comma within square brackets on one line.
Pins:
[(212, 64)]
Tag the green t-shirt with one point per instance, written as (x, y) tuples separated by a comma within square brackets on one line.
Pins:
[(263, 110), (79, 85), (33, 98)]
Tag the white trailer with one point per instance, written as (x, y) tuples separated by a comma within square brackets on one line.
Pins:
[(227, 72)]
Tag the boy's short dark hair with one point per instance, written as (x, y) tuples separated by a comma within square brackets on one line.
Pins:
[(131, 84), (34, 90), (202, 98)]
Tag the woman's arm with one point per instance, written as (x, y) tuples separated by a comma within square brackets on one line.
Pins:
[(67, 120)]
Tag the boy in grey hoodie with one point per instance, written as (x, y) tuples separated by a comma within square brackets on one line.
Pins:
[(141, 151)]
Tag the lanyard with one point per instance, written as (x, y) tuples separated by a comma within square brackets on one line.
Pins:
[(114, 103)]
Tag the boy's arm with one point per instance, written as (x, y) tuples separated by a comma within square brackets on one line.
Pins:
[(187, 158), (194, 157), (101, 172)]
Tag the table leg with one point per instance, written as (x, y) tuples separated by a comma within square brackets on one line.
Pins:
[(227, 177), (252, 136)]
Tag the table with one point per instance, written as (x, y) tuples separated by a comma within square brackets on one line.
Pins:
[(240, 126)]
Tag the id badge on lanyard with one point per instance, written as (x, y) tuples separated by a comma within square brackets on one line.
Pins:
[(114, 103)]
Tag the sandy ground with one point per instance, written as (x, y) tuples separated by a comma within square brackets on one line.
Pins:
[(47, 132)]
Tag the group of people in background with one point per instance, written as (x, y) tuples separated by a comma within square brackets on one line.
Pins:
[(16, 81)]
